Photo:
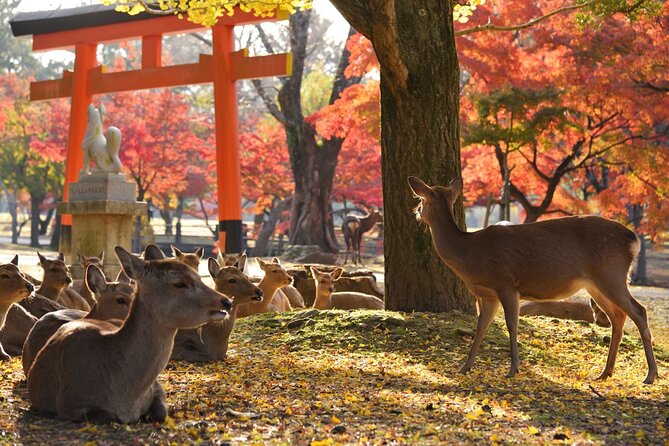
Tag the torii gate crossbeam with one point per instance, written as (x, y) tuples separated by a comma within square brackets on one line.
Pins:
[(86, 27)]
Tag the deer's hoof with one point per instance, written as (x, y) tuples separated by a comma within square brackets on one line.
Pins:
[(512, 373), (604, 375), (650, 378), (465, 368)]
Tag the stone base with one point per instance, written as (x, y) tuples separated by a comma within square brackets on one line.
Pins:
[(102, 186)]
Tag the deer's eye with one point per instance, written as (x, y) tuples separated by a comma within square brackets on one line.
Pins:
[(4, 276), (180, 285), (121, 301), (232, 280)]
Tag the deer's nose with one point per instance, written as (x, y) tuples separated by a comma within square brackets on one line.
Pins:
[(227, 304), (259, 292), (68, 279), (30, 287), (331, 289)]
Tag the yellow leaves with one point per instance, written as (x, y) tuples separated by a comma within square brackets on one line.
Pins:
[(170, 424), (335, 420), (326, 442), (532, 430), (639, 434), (136, 9), (462, 12)]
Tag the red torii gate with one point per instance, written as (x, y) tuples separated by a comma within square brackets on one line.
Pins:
[(85, 27)]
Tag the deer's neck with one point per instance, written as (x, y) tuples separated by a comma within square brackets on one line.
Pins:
[(322, 301), (449, 240), (146, 346), (49, 289), (367, 223), (268, 289)]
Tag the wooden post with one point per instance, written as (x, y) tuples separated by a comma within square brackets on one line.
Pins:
[(85, 60), (227, 141)]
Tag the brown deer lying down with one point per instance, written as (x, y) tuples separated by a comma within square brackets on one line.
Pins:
[(113, 301), (79, 285), (38, 305), (55, 284), (347, 300), (273, 300), (13, 287), (545, 260), (294, 296), (92, 370), (18, 324), (573, 309), (190, 259), (210, 342)]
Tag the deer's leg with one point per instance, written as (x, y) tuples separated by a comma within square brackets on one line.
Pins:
[(510, 303), (3, 355), (158, 409), (357, 247), (488, 308), (617, 318)]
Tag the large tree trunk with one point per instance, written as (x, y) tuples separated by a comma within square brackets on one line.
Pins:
[(35, 201), (420, 136)]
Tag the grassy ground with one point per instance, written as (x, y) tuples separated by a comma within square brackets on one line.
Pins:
[(386, 378)]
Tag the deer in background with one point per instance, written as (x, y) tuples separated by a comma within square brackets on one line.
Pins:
[(78, 285), (353, 228), (345, 300), (273, 300), (574, 310), (190, 259), (112, 303), (55, 284), (210, 342), (540, 261), (13, 287), (92, 370)]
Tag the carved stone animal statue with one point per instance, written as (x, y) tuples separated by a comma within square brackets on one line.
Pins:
[(274, 300), (55, 284), (13, 287), (102, 149), (290, 292), (78, 285), (190, 259), (113, 300), (540, 261), (210, 342), (353, 228), (572, 309), (92, 370), (326, 299)]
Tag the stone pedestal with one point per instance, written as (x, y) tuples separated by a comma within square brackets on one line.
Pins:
[(102, 206)]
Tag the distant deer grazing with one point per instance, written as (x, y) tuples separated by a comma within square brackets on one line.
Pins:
[(55, 284), (92, 370), (537, 261), (13, 287), (347, 300), (574, 310), (190, 259), (112, 303), (210, 342), (273, 300), (353, 228)]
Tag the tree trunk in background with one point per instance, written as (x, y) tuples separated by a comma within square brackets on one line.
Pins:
[(167, 217), (44, 224), (179, 214), (415, 44), (269, 226), (55, 235), (35, 202)]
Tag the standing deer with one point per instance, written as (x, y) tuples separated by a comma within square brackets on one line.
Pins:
[(210, 342), (545, 260), (346, 300), (55, 284), (353, 227), (92, 370), (13, 287), (112, 303)]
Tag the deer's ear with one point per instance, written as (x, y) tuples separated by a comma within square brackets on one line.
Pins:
[(95, 279), (336, 274), (456, 186), (122, 277), (241, 262), (314, 272), (132, 265), (102, 257), (15, 260), (61, 257), (176, 251), (152, 252), (200, 251), (214, 267), (261, 264), (275, 260), (42, 259), (419, 187)]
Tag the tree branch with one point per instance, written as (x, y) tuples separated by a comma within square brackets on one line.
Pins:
[(272, 108), (490, 27)]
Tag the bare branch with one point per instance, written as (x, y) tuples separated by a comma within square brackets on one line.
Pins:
[(272, 107), (490, 27)]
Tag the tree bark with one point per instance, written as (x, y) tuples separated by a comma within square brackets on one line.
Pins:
[(269, 226), (415, 43), (35, 201)]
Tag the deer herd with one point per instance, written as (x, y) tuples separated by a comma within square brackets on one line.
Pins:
[(92, 349)]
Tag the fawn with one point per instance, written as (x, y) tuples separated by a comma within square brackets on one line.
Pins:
[(574, 310), (353, 228), (13, 287), (55, 284), (347, 300), (273, 300), (545, 260), (210, 342), (92, 370), (289, 291), (112, 303), (190, 259)]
